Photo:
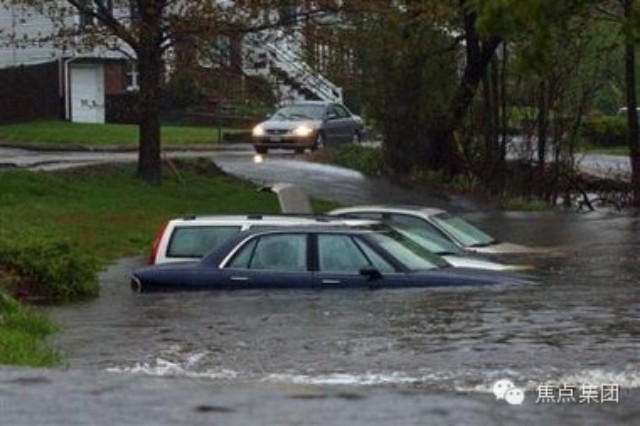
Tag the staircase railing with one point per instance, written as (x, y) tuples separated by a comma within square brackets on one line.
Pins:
[(283, 54)]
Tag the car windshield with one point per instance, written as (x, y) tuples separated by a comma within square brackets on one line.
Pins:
[(432, 242), (406, 251), (467, 234), (299, 112)]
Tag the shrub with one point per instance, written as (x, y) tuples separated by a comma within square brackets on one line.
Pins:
[(604, 131), (51, 269)]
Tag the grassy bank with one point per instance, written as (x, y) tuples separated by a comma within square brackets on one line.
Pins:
[(22, 332), (367, 160), (57, 230), (108, 213), (66, 133)]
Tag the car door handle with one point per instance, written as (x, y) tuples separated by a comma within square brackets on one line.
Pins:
[(240, 279), (327, 281)]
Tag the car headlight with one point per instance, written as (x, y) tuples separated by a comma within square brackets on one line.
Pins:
[(258, 131), (302, 131)]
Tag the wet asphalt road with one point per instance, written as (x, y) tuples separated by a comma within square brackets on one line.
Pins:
[(18, 157), (385, 357), (69, 398)]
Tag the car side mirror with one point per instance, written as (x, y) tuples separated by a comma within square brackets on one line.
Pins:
[(332, 116), (371, 273)]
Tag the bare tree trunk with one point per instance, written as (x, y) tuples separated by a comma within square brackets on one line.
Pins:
[(491, 121), (543, 124), (149, 161), (632, 112), (479, 54), (504, 113), (151, 69)]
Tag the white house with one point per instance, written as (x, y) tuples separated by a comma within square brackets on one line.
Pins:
[(85, 79)]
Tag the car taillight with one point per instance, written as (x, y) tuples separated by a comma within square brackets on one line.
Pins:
[(156, 244)]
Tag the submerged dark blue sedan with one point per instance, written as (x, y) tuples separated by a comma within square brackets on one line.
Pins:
[(314, 257)]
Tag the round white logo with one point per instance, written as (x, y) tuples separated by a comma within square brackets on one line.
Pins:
[(514, 396), (501, 387), (505, 389)]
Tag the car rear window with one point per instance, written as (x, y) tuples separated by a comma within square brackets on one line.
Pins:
[(196, 241)]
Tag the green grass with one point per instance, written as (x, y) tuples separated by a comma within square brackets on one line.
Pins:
[(64, 132), (522, 204), (368, 161), (22, 333), (110, 213), (610, 150)]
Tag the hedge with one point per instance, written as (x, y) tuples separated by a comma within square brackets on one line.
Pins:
[(54, 270)]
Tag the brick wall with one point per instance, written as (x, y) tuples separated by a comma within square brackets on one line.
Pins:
[(30, 93)]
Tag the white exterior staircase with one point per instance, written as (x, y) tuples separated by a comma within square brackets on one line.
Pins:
[(277, 56)]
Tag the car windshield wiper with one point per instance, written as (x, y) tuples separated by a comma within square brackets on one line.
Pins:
[(492, 242), (296, 115)]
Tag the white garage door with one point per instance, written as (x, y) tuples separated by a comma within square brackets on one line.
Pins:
[(87, 94)]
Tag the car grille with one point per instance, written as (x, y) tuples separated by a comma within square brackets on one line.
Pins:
[(277, 132)]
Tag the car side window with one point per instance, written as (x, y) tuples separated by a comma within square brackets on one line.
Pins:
[(376, 260), (341, 111), (284, 252), (196, 241), (339, 253), (332, 113), (243, 257), (414, 224)]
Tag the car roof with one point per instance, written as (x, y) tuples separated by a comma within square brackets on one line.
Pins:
[(309, 102), (390, 208), (260, 219), (366, 227)]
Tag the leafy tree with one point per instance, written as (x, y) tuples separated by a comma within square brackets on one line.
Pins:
[(419, 77), (408, 70), (575, 21), (631, 17), (150, 31), (144, 29)]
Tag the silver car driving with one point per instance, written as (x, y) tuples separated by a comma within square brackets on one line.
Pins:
[(307, 125)]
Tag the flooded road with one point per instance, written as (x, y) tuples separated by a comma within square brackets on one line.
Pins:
[(413, 356)]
